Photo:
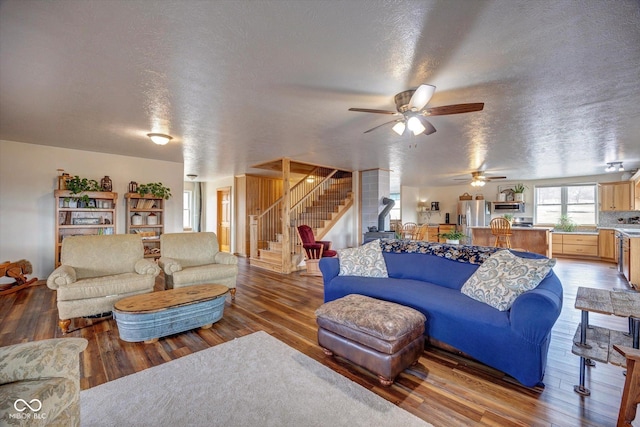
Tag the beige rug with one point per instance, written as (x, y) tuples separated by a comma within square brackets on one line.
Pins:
[(255, 380)]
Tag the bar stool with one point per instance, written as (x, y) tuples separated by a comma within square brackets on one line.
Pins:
[(501, 228)]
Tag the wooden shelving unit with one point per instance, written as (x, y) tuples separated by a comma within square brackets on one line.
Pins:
[(98, 218), (141, 211)]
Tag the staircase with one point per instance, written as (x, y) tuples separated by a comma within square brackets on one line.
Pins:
[(319, 206)]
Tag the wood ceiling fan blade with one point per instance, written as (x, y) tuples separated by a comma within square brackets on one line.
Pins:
[(421, 97), (495, 177), (453, 109), (368, 110), (428, 127), (379, 126)]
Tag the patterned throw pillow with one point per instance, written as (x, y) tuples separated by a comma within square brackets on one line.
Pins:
[(364, 261), (504, 277)]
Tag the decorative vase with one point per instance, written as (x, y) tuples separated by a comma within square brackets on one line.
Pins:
[(106, 184), (453, 242), (518, 197)]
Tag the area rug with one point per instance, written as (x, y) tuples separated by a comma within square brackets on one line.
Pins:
[(255, 380)]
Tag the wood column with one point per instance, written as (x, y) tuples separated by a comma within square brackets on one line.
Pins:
[(286, 212)]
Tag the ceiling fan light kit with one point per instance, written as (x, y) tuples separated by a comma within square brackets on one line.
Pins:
[(410, 106)]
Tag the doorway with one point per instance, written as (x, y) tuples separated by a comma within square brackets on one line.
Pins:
[(224, 218)]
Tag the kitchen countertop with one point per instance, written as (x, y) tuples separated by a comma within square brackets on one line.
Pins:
[(518, 228)]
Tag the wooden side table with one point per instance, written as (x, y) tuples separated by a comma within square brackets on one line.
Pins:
[(596, 343)]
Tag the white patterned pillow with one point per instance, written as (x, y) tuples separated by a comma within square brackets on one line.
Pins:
[(504, 276), (364, 261)]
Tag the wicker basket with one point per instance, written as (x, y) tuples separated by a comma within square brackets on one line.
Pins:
[(466, 196)]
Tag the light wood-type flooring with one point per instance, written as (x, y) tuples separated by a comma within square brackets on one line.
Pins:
[(444, 389)]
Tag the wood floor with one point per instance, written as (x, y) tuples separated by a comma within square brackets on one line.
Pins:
[(443, 389)]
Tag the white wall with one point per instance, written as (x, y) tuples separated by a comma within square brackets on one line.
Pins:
[(28, 178)]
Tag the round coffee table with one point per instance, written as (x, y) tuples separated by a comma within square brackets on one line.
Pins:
[(147, 317)]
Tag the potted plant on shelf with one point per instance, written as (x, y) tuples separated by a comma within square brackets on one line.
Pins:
[(156, 189), (453, 237), (77, 185), (518, 192), (508, 217)]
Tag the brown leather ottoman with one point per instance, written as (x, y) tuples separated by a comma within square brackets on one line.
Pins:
[(381, 336)]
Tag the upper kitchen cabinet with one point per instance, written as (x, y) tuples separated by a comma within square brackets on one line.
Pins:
[(616, 196)]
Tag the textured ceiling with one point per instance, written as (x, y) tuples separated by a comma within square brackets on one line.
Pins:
[(238, 83)]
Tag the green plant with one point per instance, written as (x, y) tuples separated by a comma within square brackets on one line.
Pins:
[(566, 224), (77, 185), (156, 189), (508, 217), (453, 235), (519, 188)]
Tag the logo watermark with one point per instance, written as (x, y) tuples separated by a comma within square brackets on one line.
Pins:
[(28, 410)]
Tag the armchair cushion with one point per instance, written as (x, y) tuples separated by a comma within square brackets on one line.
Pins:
[(47, 370), (96, 287)]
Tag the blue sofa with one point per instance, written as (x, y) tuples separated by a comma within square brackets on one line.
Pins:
[(515, 341)]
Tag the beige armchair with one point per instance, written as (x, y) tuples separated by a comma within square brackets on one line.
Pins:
[(195, 259), (98, 271), (40, 383)]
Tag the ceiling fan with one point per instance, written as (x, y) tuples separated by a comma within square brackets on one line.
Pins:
[(412, 112), (479, 179)]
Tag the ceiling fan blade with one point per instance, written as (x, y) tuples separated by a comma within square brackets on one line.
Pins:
[(496, 177), (453, 109), (392, 121), (421, 97), (368, 110), (428, 127)]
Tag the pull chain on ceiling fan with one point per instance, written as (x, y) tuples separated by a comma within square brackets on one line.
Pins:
[(412, 112)]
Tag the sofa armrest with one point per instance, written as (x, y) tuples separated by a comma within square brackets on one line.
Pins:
[(534, 313), (61, 276), (51, 358), (225, 258), (145, 266), (330, 268), (169, 265)]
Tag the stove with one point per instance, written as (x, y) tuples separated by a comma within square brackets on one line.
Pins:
[(522, 221)]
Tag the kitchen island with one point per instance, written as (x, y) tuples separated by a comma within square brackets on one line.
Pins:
[(530, 239)]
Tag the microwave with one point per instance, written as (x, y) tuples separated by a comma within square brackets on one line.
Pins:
[(505, 207)]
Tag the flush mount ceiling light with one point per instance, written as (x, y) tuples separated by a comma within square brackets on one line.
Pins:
[(192, 176), (160, 138), (614, 166)]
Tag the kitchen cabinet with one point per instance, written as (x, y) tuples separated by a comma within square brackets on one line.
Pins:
[(575, 244), (432, 233), (607, 248), (99, 217), (631, 260), (445, 228), (616, 196)]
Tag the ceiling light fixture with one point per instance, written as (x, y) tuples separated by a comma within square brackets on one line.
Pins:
[(415, 125), (192, 176), (160, 138), (399, 128), (613, 166), (477, 183)]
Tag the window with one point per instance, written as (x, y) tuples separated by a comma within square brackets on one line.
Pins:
[(395, 210), (578, 202), (187, 203)]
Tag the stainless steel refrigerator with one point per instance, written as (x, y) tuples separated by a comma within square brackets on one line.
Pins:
[(473, 213)]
